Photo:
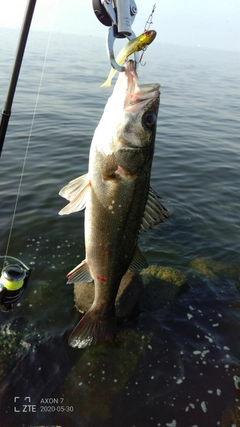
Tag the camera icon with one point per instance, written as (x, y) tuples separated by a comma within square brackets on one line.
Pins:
[(24, 404)]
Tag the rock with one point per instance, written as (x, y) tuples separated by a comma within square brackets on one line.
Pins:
[(161, 285), (83, 295), (212, 268), (209, 267), (128, 295), (230, 415), (154, 288), (102, 372), (164, 274)]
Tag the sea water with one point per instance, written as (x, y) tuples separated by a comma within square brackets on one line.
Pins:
[(177, 366)]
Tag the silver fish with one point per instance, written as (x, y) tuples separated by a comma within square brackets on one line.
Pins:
[(118, 200)]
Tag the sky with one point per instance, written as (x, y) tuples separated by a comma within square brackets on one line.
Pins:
[(204, 23)]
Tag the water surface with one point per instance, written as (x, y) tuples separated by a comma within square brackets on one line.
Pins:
[(177, 366)]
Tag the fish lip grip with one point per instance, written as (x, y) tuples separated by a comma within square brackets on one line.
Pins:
[(119, 16)]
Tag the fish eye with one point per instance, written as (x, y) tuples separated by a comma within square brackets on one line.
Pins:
[(149, 119), (148, 33)]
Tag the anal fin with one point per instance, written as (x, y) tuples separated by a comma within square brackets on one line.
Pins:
[(80, 273)]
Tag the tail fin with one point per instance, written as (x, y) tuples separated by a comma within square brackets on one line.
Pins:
[(92, 328)]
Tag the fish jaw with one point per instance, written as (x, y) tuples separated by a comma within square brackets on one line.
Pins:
[(134, 140), (127, 92), (124, 110)]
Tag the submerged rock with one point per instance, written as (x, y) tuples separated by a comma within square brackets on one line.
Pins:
[(230, 416), (154, 288), (101, 373), (212, 268), (13, 348), (209, 267)]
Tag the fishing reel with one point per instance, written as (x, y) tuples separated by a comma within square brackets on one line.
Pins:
[(13, 282)]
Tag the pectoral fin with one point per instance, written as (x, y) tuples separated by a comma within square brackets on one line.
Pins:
[(76, 193), (154, 212)]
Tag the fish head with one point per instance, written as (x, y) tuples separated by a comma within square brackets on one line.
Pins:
[(134, 139), (127, 128), (139, 119)]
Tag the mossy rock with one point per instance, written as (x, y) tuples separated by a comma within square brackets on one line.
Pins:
[(164, 274), (161, 286), (207, 266), (212, 268)]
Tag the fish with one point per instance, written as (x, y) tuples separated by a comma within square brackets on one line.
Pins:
[(135, 45), (118, 200)]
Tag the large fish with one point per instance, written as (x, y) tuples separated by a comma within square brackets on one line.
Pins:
[(118, 200)]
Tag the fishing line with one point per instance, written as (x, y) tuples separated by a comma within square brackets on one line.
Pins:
[(149, 20), (146, 28), (30, 132)]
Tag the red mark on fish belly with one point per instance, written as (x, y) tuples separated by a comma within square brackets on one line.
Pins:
[(105, 253), (102, 278)]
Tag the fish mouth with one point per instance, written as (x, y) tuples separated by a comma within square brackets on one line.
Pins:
[(131, 97), (149, 87), (137, 96)]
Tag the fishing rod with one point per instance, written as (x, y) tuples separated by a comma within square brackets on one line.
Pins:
[(6, 113), (14, 277)]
